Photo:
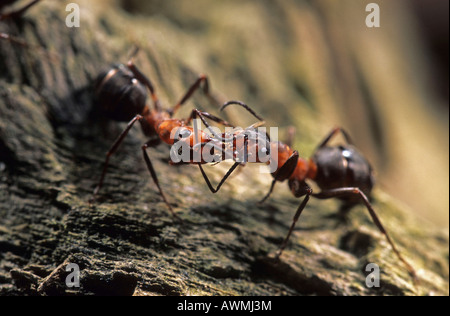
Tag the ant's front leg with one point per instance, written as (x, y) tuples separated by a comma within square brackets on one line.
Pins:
[(283, 173), (308, 192), (202, 115), (197, 84), (230, 171)]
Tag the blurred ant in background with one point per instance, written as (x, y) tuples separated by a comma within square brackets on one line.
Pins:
[(339, 171)]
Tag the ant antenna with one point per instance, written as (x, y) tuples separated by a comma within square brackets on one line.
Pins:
[(245, 106)]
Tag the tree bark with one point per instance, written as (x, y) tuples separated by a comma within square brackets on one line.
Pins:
[(53, 144)]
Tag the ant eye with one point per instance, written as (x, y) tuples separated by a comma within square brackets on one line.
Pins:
[(184, 134)]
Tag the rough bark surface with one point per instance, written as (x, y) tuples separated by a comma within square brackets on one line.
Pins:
[(53, 143)]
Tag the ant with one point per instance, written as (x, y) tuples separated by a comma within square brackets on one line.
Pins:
[(14, 15), (121, 95), (339, 171), (237, 145)]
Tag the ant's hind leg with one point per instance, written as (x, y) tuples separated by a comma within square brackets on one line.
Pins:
[(356, 191), (202, 115)]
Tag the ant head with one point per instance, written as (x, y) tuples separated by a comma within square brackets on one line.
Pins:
[(258, 145)]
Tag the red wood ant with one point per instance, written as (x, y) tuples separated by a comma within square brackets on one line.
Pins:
[(121, 94), (339, 171), (13, 15), (237, 145)]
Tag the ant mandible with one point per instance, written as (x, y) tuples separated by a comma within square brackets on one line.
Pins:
[(121, 94), (13, 15), (339, 171)]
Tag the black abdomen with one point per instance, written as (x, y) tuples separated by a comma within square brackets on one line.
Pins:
[(119, 95), (341, 167)]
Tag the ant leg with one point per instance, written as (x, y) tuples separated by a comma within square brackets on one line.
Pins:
[(19, 12), (227, 175), (272, 186), (145, 80), (308, 192), (155, 177), (230, 171), (201, 79), (112, 150), (356, 191), (245, 106), (283, 173), (196, 113), (334, 133)]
